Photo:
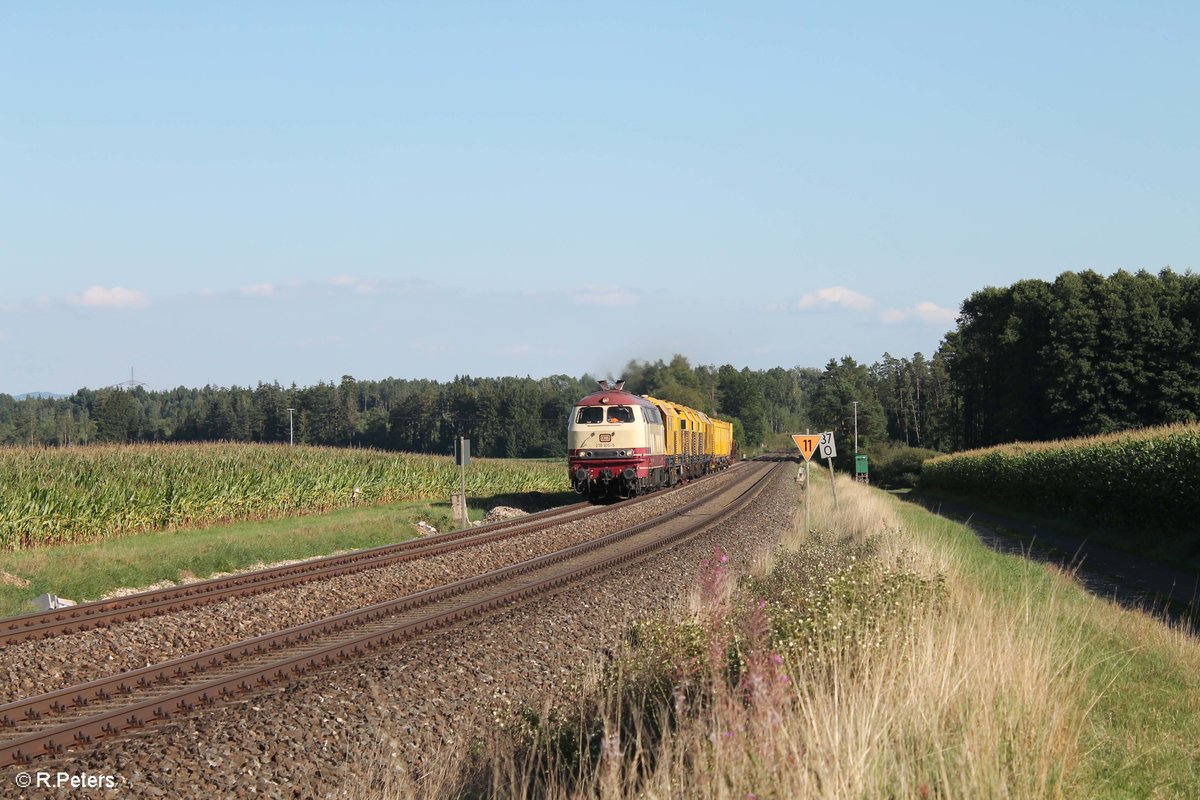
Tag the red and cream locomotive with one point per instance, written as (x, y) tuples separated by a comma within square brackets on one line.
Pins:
[(622, 445)]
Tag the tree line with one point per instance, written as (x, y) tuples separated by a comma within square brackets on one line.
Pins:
[(1083, 354), (504, 417), (1078, 355), (1038, 360)]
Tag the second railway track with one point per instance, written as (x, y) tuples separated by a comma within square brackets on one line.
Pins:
[(75, 716), (101, 613)]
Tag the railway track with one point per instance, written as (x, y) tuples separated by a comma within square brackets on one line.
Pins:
[(101, 613), (76, 716)]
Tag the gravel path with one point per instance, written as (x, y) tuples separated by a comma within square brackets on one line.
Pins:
[(322, 735)]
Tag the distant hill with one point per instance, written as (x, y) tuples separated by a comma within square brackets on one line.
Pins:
[(40, 396)]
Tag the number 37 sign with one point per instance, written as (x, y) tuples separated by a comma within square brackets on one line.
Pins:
[(819, 445)]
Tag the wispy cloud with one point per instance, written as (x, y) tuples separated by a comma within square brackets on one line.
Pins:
[(609, 296), (516, 350), (834, 296), (924, 311), (116, 297), (357, 285), (3, 337), (826, 298), (259, 290)]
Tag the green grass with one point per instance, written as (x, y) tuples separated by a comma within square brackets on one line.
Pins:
[(1171, 550), (1143, 736), (87, 571)]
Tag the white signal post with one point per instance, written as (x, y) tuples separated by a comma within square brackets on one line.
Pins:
[(828, 451)]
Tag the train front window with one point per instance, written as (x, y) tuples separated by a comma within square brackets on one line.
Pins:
[(590, 415), (620, 414)]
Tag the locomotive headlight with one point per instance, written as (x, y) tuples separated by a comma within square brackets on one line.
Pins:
[(621, 452), (588, 454)]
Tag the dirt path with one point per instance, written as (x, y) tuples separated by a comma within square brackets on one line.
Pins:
[(1105, 571)]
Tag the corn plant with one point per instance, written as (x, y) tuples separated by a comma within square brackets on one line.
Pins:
[(1148, 477), (69, 495)]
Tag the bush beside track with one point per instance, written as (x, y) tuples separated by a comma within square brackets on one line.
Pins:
[(1145, 479), (72, 495)]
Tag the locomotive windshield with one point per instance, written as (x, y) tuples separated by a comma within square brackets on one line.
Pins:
[(620, 414), (591, 415)]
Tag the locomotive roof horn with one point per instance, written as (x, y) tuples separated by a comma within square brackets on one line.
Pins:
[(620, 385), (608, 386)]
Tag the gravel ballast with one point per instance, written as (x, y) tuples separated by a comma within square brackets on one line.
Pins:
[(326, 734), (38, 666)]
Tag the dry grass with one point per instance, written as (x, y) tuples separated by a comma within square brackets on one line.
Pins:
[(952, 695)]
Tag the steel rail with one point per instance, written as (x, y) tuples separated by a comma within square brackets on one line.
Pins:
[(79, 617), (101, 613), (127, 682), (110, 722), (172, 599)]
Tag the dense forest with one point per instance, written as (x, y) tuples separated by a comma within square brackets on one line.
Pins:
[(1082, 354)]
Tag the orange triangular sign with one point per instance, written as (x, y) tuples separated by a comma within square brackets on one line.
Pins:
[(807, 444)]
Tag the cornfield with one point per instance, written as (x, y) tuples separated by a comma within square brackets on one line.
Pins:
[(71, 495), (1148, 477)]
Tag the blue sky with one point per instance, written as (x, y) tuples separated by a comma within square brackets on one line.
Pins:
[(226, 193)]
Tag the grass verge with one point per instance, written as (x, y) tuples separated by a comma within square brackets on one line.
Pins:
[(1142, 732), (1168, 550), (88, 571)]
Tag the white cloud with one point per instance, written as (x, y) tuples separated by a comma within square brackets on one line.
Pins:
[(259, 290), (609, 296), (834, 296), (925, 311), (116, 297), (356, 285)]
